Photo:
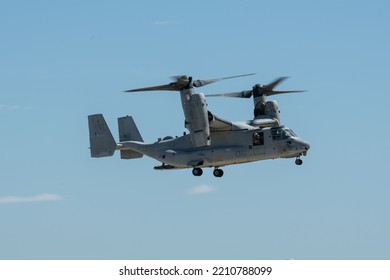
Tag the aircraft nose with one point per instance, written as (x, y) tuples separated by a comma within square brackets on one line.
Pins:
[(306, 147), (303, 145)]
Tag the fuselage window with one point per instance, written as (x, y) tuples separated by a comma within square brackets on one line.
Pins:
[(258, 138)]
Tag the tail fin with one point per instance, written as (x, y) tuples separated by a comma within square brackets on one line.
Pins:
[(100, 137), (128, 131)]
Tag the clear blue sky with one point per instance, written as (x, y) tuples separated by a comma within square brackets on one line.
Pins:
[(63, 60)]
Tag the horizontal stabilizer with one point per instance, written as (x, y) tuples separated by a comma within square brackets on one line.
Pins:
[(130, 154)]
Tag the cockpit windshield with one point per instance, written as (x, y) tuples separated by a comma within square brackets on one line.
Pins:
[(290, 132), (281, 133)]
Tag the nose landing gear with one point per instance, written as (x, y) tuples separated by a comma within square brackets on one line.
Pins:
[(298, 161)]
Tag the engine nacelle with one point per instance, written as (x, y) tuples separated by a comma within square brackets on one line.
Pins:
[(270, 110), (198, 125)]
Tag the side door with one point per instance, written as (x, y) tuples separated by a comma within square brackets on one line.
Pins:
[(258, 143)]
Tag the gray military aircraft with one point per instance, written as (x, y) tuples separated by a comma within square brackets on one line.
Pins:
[(212, 141)]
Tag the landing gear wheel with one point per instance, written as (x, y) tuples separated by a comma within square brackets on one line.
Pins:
[(197, 171), (218, 172), (298, 161)]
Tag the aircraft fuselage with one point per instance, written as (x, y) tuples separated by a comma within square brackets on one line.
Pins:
[(227, 147)]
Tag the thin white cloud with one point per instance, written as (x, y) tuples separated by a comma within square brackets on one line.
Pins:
[(201, 189), (10, 108), (28, 199), (165, 22)]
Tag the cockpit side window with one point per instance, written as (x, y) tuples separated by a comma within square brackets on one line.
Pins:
[(285, 134), (277, 134), (258, 138), (280, 133)]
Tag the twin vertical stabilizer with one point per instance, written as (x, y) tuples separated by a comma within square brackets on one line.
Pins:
[(128, 131), (103, 143), (100, 137)]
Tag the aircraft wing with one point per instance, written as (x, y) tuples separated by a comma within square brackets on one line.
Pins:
[(219, 124), (263, 122)]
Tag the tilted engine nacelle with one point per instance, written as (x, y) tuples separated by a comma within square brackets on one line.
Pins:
[(270, 110), (199, 120)]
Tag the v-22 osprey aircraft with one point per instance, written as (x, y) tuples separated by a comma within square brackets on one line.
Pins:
[(211, 141)]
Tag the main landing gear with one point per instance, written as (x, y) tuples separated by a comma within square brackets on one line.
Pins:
[(198, 172), (218, 172)]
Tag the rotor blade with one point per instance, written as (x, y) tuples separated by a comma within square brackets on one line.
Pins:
[(182, 82), (241, 94), (171, 86), (275, 83), (200, 83), (283, 91)]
